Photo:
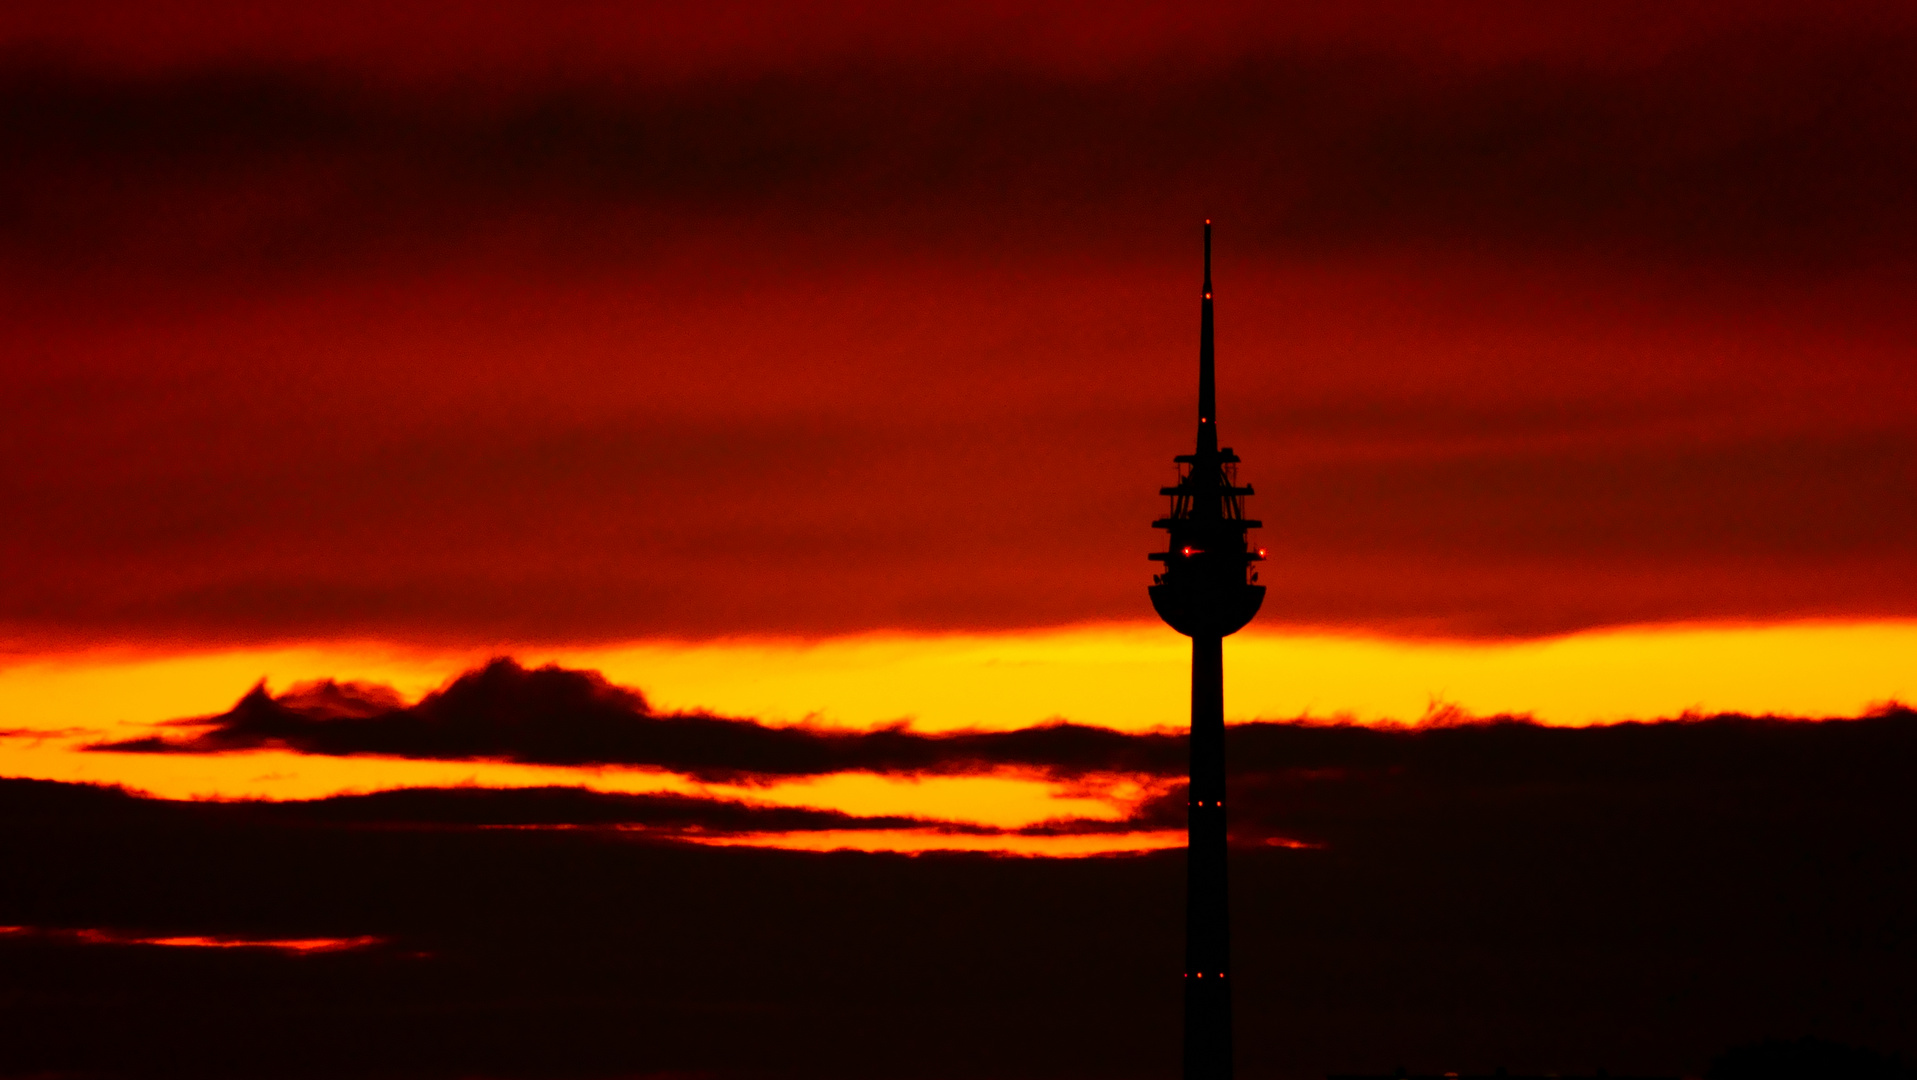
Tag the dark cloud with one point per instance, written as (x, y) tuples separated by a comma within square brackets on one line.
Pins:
[(554, 716), (1636, 898), (1511, 780)]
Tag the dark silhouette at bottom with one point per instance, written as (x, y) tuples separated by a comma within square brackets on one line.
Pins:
[(1498, 1075), (1807, 1059)]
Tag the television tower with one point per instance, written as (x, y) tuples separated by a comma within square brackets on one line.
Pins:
[(1207, 591)]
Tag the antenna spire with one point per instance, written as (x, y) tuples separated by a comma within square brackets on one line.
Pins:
[(1209, 590), (1207, 379)]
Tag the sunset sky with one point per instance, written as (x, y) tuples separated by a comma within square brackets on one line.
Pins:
[(820, 366), (594, 540)]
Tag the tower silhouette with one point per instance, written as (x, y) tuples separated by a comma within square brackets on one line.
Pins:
[(1207, 591)]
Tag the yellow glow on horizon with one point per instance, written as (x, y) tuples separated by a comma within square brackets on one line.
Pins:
[(1002, 801), (1134, 677), (1126, 676), (282, 774)]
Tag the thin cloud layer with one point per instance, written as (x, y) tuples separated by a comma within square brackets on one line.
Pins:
[(664, 815), (555, 716), (1294, 784)]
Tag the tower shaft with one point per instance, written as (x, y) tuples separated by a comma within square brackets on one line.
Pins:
[(1208, 1054), (1208, 590)]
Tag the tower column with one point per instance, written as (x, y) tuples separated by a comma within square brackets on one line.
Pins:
[(1207, 592), (1208, 1053)]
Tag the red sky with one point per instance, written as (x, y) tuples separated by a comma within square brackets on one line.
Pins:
[(584, 326), (796, 382)]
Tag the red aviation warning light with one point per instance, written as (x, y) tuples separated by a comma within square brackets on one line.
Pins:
[(1215, 595), (1207, 591)]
